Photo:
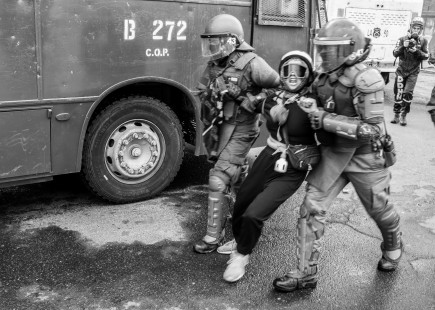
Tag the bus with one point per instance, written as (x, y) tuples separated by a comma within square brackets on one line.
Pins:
[(107, 88)]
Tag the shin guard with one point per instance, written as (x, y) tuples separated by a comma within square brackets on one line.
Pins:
[(389, 224), (308, 234), (392, 238), (217, 211)]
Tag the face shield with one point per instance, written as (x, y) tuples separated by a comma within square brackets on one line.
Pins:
[(217, 46), (294, 74), (329, 54)]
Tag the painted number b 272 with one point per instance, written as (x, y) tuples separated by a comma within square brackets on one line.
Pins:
[(162, 30)]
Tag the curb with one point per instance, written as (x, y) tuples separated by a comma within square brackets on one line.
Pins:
[(428, 70)]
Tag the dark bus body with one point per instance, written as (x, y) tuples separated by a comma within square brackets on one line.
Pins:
[(107, 88)]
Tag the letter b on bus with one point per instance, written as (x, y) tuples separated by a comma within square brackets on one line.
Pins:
[(129, 29)]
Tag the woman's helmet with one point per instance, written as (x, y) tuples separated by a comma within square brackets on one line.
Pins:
[(296, 70), (222, 36), (340, 41), (417, 25)]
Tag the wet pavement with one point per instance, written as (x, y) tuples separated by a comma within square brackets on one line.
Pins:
[(62, 248)]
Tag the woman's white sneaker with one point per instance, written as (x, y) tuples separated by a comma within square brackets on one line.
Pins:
[(236, 267), (228, 247)]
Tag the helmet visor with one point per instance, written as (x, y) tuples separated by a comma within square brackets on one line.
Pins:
[(217, 46), (330, 56)]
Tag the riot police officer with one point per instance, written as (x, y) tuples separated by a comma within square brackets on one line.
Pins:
[(411, 50), (349, 117), (230, 89)]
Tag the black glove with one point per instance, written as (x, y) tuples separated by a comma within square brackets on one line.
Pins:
[(250, 102), (367, 132), (229, 89), (233, 90), (316, 118)]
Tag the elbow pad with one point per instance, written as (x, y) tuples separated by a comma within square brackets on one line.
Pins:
[(369, 101)]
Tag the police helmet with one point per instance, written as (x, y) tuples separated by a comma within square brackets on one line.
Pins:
[(223, 35), (340, 41)]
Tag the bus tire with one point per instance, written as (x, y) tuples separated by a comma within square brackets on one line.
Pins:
[(133, 150)]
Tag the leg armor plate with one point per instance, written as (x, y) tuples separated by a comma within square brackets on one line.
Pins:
[(308, 236), (218, 200)]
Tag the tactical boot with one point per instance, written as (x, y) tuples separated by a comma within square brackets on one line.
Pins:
[(296, 280), (402, 119), (387, 264), (395, 120), (208, 244), (203, 247)]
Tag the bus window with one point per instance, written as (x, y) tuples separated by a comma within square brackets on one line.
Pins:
[(282, 13)]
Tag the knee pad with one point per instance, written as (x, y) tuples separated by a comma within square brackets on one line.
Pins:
[(303, 212), (310, 207), (218, 182), (388, 218)]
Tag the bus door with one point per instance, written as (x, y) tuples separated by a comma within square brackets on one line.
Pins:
[(24, 127)]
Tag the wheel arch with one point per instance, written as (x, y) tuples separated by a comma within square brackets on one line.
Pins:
[(178, 97)]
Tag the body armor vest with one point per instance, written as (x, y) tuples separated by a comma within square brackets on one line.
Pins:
[(237, 72), (218, 106), (335, 98)]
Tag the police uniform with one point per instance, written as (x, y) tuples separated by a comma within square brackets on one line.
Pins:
[(349, 120), (249, 73)]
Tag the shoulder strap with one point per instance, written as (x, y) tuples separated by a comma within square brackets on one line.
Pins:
[(240, 61), (243, 60)]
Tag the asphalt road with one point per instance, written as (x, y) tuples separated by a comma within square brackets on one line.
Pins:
[(62, 248)]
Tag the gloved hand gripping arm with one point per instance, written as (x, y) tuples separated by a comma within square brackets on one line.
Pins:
[(251, 102), (344, 126)]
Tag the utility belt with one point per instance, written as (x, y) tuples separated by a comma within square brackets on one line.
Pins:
[(364, 149)]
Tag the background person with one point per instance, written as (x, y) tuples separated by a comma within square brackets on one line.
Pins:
[(350, 122), (230, 87), (411, 50)]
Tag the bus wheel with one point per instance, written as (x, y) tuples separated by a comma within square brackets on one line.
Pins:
[(133, 150)]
